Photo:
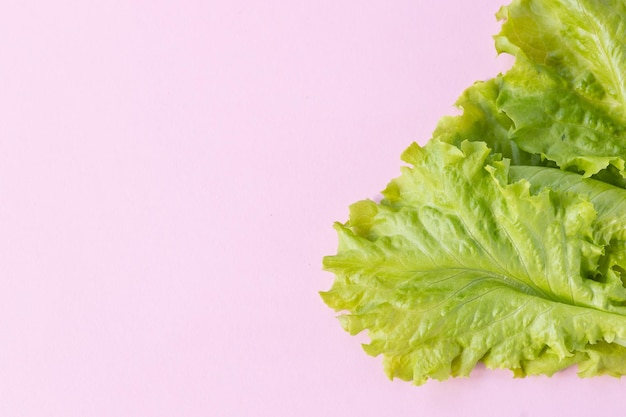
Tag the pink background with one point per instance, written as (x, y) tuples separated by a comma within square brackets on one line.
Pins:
[(169, 174)]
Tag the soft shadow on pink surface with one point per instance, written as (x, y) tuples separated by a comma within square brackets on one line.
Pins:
[(169, 175)]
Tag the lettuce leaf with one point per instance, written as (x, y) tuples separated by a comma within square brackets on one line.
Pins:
[(457, 266), (566, 93), (563, 102)]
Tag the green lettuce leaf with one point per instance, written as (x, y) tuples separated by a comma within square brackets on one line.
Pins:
[(563, 103), (566, 93), (457, 266), (554, 120)]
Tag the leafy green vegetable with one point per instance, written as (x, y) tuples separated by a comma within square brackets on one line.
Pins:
[(564, 100), (485, 271), (504, 240)]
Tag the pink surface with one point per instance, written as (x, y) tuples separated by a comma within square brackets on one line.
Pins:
[(169, 174)]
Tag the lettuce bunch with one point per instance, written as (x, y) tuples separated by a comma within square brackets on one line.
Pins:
[(504, 239)]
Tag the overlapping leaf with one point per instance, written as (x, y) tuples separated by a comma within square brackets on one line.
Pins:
[(564, 99)]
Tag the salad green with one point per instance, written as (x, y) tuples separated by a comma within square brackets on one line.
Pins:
[(504, 239)]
